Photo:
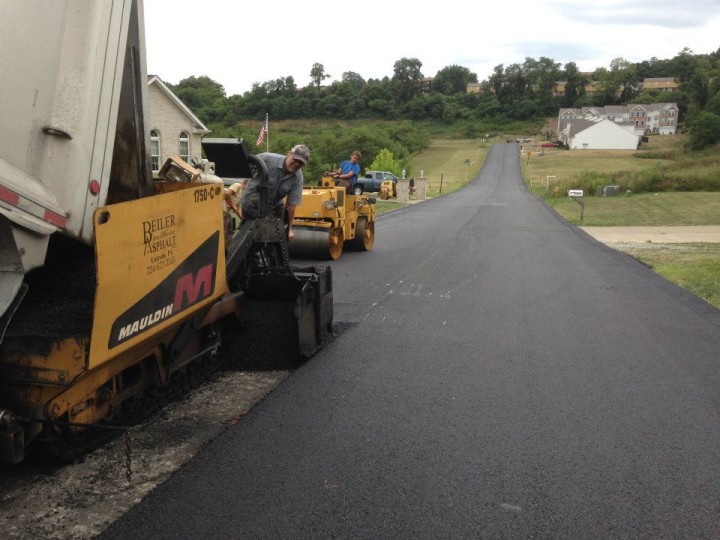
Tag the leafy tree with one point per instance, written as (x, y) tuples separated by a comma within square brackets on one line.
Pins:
[(624, 75), (654, 68), (284, 86), (354, 79), (318, 75), (382, 108), (201, 95), (704, 130), (488, 106), (497, 79), (698, 88), (713, 104), (541, 77), (379, 99), (406, 79), (652, 95), (517, 83), (376, 90), (684, 65), (344, 90), (385, 161), (574, 84), (453, 80), (618, 83), (608, 88)]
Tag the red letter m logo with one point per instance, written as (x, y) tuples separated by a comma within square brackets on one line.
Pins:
[(188, 289)]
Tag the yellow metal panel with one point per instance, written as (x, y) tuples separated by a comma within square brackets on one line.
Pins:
[(160, 260)]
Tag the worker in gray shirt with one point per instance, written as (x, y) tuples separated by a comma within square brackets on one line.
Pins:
[(285, 180)]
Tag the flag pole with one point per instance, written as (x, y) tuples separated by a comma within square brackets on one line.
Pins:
[(267, 134)]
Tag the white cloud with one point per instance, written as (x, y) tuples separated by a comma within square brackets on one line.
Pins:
[(238, 44)]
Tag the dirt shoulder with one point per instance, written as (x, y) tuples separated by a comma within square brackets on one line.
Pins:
[(656, 235), (78, 501)]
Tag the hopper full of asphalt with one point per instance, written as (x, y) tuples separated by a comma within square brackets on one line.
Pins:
[(502, 375)]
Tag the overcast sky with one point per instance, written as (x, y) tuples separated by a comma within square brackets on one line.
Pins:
[(237, 43)]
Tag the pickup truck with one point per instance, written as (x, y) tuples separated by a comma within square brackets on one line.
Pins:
[(372, 181)]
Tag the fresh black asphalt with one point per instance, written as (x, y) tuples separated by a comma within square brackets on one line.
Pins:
[(499, 374)]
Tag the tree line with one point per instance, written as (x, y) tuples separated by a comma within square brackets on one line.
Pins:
[(513, 92), (519, 92)]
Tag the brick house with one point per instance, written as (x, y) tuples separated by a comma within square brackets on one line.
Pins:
[(174, 129)]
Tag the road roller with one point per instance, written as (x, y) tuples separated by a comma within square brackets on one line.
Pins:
[(388, 189), (330, 220)]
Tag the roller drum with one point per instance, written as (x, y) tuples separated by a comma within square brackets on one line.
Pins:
[(316, 243)]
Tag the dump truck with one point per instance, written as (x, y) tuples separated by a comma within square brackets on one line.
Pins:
[(330, 220), (112, 280)]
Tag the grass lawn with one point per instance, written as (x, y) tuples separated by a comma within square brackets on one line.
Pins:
[(450, 164), (695, 267), (568, 166), (641, 209)]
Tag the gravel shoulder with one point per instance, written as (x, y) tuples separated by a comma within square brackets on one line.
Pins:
[(655, 235), (77, 501)]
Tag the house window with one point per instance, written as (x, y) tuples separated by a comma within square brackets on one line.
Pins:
[(155, 150), (185, 147)]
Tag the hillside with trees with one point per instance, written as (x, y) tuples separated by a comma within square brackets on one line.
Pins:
[(516, 93)]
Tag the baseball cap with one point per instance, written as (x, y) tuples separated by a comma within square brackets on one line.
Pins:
[(301, 153)]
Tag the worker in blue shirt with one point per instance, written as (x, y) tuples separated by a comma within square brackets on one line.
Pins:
[(348, 172)]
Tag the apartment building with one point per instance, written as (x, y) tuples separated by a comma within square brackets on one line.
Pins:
[(645, 119)]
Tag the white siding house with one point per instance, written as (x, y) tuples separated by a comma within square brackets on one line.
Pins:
[(174, 129), (656, 118), (599, 135)]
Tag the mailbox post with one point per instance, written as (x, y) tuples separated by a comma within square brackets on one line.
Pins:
[(578, 195)]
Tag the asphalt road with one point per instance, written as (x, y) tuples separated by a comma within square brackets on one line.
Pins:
[(500, 374)]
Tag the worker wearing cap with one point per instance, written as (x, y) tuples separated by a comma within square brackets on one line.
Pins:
[(285, 180)]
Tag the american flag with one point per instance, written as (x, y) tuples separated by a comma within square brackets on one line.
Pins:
[(263, 132)]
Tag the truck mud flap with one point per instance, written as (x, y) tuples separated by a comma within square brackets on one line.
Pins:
[(12, 439), (314, 309), (308, 294)]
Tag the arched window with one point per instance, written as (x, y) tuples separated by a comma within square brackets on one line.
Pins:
[(155, 150), (184, 146)]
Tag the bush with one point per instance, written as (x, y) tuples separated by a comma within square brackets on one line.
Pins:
[(704, 130)]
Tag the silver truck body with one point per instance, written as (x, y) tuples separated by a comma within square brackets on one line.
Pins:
[(72, 99)]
